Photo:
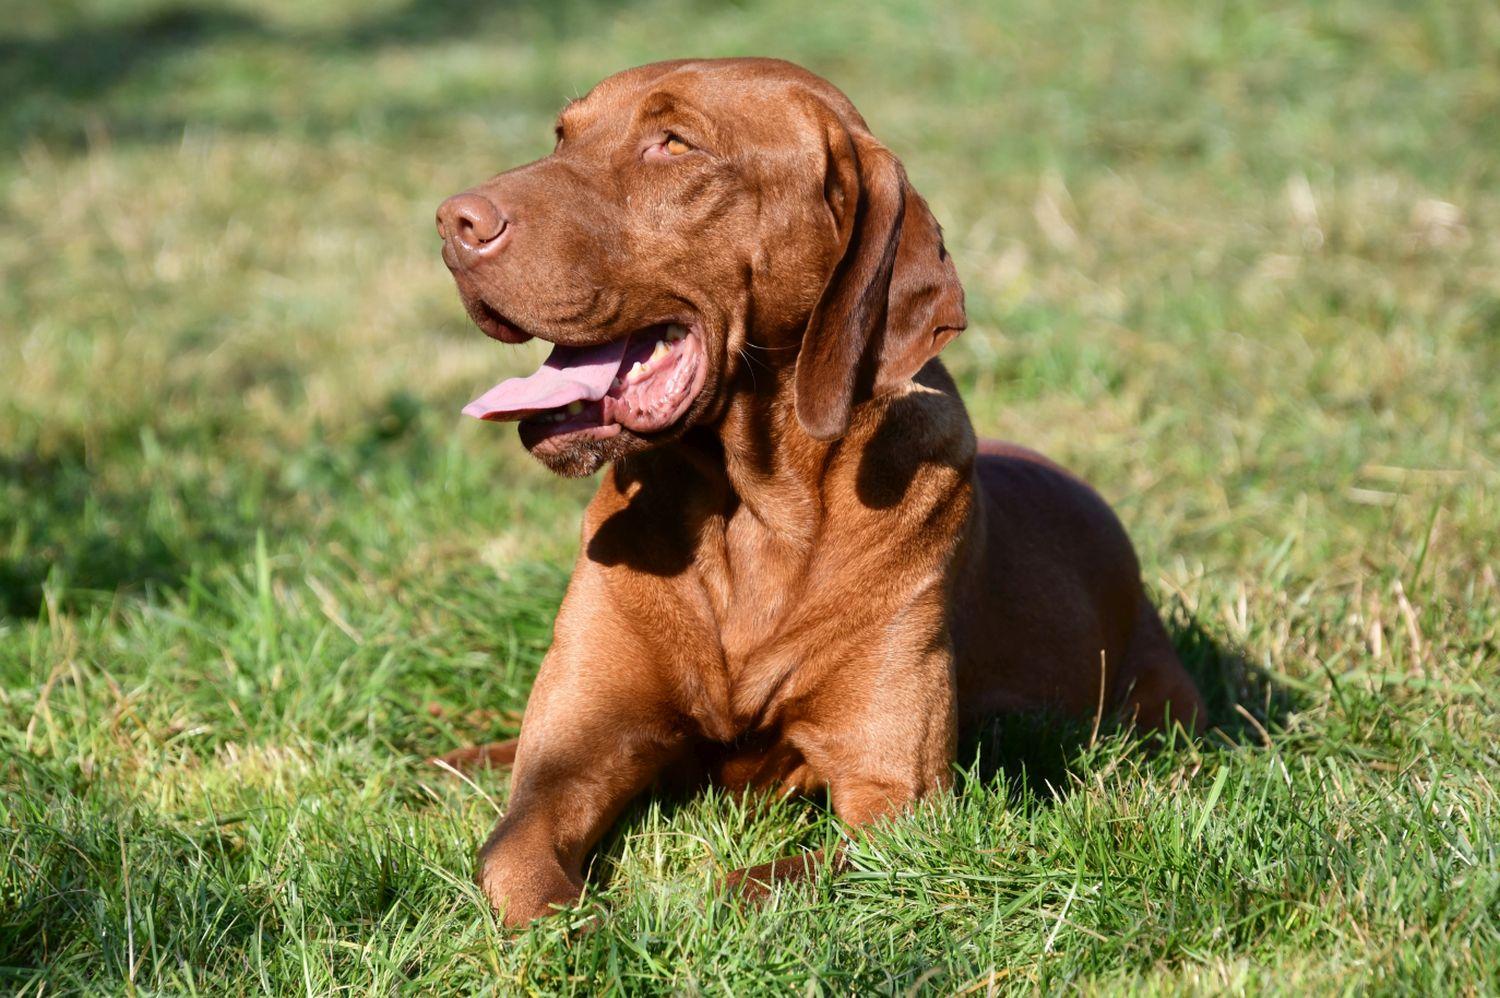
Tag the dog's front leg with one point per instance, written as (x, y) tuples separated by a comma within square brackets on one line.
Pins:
[(882, 735), (588, 745)]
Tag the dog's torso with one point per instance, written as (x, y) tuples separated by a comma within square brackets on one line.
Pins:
[(756, 615)]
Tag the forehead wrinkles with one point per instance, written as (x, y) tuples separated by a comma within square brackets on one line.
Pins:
[(664, 108), (785, 129), (613, 95)]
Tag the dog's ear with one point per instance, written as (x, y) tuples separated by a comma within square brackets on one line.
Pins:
[(925, 306), (893, 300), (864, 187)]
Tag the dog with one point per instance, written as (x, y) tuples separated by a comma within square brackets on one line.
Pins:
[(801, 571)]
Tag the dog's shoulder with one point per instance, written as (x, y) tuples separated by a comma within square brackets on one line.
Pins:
[(924, 417), (914, 443)]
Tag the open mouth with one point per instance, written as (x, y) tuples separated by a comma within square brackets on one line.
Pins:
[(643, 382)]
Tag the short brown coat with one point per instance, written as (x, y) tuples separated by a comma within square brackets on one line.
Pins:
[(819, 578)]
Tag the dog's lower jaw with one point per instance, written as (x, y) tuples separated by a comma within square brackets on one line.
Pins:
[(580, 458)]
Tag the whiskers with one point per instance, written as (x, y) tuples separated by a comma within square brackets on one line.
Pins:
[(752, 361)]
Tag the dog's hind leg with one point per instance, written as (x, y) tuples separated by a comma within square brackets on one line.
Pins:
[(755, 883), (470, 758), (1156, 691)]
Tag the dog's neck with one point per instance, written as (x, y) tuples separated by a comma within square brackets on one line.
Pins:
[(758, 458)]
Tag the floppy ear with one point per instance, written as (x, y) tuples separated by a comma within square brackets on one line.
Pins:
[(925, 306), (893, 300), (863, 187)]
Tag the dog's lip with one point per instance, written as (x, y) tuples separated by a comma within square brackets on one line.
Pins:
[(499, 325), (575, 340), (493, 323)]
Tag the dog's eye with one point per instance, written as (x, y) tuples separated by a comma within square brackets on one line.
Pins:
[(669, 146)]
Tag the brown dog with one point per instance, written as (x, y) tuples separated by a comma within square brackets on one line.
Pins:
[(802, 571)]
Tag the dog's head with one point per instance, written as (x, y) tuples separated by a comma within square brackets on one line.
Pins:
[(699, 224)]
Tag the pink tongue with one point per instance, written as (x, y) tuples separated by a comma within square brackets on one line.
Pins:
[(569, 374)]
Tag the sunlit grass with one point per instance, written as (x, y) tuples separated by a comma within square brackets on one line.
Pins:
[(1237, 265)]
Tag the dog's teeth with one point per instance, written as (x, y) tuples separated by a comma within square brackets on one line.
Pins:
[(574, 408), (618, 383), (661, 351), (636, 372), (675, 332)]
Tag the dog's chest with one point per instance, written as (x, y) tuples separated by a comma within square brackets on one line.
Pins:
[(755, 582)]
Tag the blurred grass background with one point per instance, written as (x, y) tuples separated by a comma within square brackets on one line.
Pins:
[(1239, 264)]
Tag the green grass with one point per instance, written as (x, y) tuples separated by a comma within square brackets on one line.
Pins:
[(1237, 263)]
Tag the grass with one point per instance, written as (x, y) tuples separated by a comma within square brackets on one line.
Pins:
[(1238, 264)]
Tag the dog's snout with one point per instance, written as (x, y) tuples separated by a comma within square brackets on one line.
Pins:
[(472, 226)]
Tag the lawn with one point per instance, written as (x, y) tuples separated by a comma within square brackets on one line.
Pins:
[(1238, 264)]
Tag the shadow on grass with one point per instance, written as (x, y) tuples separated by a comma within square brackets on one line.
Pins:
[(1035, 753), (89, 60), (67, 527), (52, 79), (92, 518)]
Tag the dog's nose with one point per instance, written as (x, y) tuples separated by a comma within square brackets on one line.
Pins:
[(472, 227)]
